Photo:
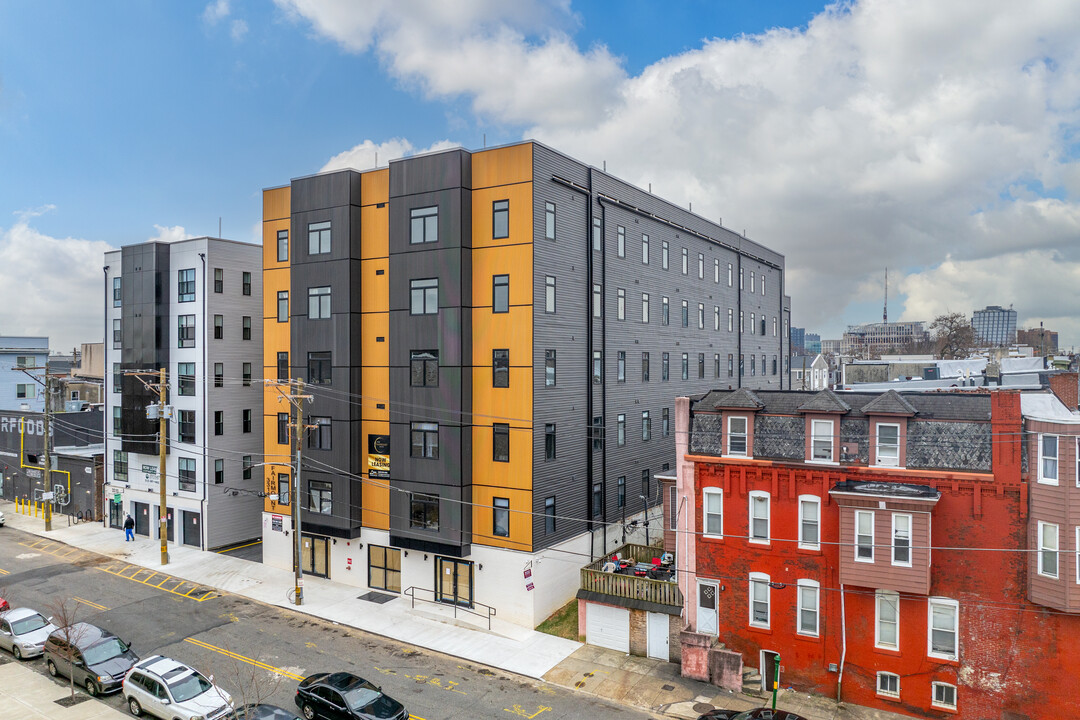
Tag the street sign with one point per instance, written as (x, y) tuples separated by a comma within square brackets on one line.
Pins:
[(46, 496)]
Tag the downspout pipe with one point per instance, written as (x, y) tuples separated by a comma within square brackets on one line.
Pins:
[(843, 637), (206, 392), (590, 436), (604, 376), (105, 343)]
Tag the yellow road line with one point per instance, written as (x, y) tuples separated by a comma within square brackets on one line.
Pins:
[(4, 572), (242, 658), (207, 593), (91, 604), (238, 547)]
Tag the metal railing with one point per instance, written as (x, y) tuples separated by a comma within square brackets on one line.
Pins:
[(412, 590), (663, 592)]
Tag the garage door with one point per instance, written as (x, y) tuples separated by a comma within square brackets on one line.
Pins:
[(607, 627)]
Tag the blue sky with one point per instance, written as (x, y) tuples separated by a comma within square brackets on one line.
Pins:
[(849, 139)]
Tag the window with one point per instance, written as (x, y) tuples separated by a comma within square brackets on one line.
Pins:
[(1048, 459), (809, 598), (1048, 549), (712, 509), (219, 375), (644, 307), (219, 327), (424, 368), (598, 432), (549, 441), (549, 515), (665, 422), (500, 521), (318, 303), (318, 238), (245, 421), (751, 323), (219, 422), (731, 319), (424, 297), (685, 313), (283, 366), (424, 511), (741, 275), (384, 568), (621, 484), (549, 368), (644, 249), (742, 326), (664, 314), (887, 620), (219, 280), (597, 235), (888, 684), (549, 221), (685, 366), (942, 623), (730, 272), (284, 486), (774, 326), (762, 320), (701, 366), (283, 306), (120, 466), (185, 288), (644, 367), (500, 442), (664, 363), (283, 428), (425, 440), (282, 245), (731, 365), (759, 600), (736, 440), (645, 493), (186, 425), (759, 516), (597, 301), (117, 419), (762, 279), (685, 261), (500, 368), (716, 318), (423, 225), (716, 365), (219, 471), (620, 244), (700, 266), (597, 367), (864, 536), (620, 367), (185, 336), (664, 254), (701, 316), (821, 436), (117, 334), (500, 219), (246, 465), (901, 543), (245, 283), (245, 374), (320, 436), (944, 696), (620, 429), (620, 304), (186, 379), (500, 294), (809, 522), (117, 293), (26, 391), (549, 294), (320, 497), (742, 365), (716, 271), (597, 499), (186, 474), (751, 281), (245, 326), (773, 364)]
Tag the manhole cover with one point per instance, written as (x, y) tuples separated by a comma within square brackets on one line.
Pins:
[(702, 707), (668, 688), (376, 597)]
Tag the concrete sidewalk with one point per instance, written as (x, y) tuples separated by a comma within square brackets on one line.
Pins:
[(28, 695)]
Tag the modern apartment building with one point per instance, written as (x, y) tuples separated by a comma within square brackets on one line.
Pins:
[(21, 389), (493, 341), (995, 325), (193, 308)]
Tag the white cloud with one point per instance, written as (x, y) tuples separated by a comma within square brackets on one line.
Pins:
[(918, 135), (368, 154), (170, 234), (216, 11), (238, 30)]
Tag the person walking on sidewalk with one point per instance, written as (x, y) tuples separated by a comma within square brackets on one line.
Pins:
[(129, 528)]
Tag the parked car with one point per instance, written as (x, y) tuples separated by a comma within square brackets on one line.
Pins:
[(755, 714), (1, 519), (342, 695), (264, 712), (24, 631), (94, 657), (169, 689), (4, 606)]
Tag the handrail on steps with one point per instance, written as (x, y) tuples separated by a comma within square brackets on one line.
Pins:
[(411, 592)]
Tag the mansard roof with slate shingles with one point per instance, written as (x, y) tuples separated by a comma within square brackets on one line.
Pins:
[(891, 403), (825, 401), (928, 406), (741, 399)]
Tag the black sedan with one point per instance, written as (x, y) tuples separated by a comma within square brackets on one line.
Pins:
[(755, 714), (344, 696)]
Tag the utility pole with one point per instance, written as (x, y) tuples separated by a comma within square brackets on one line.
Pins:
[(160, 412), (48, 475), (296, 399)]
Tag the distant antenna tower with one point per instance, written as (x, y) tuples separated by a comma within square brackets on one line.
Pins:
[(885, 313)]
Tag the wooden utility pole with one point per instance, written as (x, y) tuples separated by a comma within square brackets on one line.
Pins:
[(46, 464), (296, 399), (162, 428)]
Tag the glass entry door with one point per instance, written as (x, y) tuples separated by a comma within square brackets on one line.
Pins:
[(454, 581), (313, 554)]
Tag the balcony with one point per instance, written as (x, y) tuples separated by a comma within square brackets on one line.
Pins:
[(596, 581)]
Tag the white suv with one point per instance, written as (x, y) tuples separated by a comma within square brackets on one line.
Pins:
[(171, 690)]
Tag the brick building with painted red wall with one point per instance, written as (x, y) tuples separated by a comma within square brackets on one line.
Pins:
[(881, 544)]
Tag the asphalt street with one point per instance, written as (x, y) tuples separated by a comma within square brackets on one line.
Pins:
[(258, 652)]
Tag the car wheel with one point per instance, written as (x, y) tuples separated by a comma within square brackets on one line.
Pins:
[(92, 688), (134, 707), (52, 668), (16, 652), (309, 712)]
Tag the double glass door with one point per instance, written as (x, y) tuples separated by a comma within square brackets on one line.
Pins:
[(454, 581), (314, 555)]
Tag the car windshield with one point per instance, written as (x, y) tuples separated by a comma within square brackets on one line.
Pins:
[(104, 650), (381, 707), (748, 715), (361, 695), (28, 624), (190, 686)]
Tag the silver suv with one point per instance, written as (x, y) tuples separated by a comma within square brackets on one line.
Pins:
[(171, 690)]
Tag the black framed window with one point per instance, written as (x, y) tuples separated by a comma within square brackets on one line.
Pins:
[(245, 283), (665, 362), (424, 511), (500, 219), (246, 374), (318, 238), (620, 429), (320, 497), (549, 368), (219, 422), (319, 369), (500, 368), (282, 245), (620, 304), (644, 367), (620, 241), (118, 378), (423, 225), (773, 364), (597, 367), (597, 300), (685, 366), (283, 428), (665, 312), (246, 464), (185, 373), (319, 436), (685, 313), (646, 425), (424, 440), (219, 375), (219, 280), (117, 420), (500, 517), (597, 499), (186, 474), (685, 261), (549, 441), (665, 422), (245, 327), (120, 466), (742, 365), (219, 327), (117, 293), (598, 432), (549, 294), (283, 306), (219, 471), (644, 249), (664, 254), (245, 421), (701, 366), (549, 515), (185, 287), (645, 475), (424, 368), (500, 294), (284, 488), (622, 491), (186, 425), (716, 365), (620, 367), (549, 221), (185, 331), (424, 296), (283, 366), (500, 442), (318, 303), (597, 235), (117, 334), (731, 365)]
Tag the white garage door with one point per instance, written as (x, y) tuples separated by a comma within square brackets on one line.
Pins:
[(607, 627)]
